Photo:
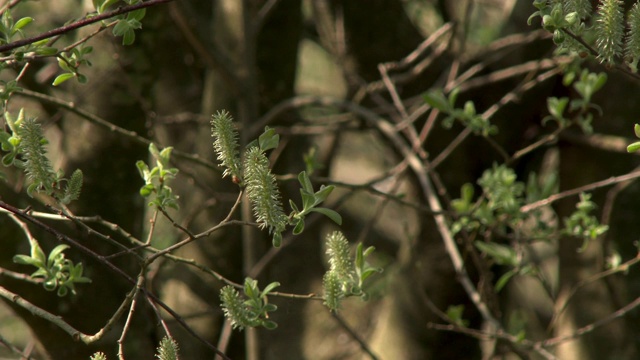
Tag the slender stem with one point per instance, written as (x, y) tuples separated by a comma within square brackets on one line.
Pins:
[(80, 23)]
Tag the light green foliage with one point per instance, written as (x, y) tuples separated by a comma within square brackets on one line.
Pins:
[(502, 190), (57, 271), (10, 28), (586, 85), (98, 356), (250, 310), (454, 313), (70, 62), (346, 275), (566, 19), (507, 256), (260, 184), (168, 349), (636, 145), (583, 225), (500, 204), (156, 180), (226, 144), (310, 201), (125, 25), (467, 115)]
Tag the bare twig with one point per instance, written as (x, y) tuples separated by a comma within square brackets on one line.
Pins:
[(354, 335), (80, 23), (70, 106), (589, 187)]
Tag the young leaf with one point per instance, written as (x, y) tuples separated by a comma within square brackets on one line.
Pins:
[(269, 139), (334, 216), (62, 78), (305, 182)]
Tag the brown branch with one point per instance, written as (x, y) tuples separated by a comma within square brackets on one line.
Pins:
[(96, 120), (152, 298), (80, 23), (589, 187)]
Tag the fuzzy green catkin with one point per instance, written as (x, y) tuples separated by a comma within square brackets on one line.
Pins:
[(632, 44), (226, 143), (339, 255), (332, 290), (581, 7), (168, 349), (233, 307), (263, 192), (609, 29), (74, 186), (37, 165)]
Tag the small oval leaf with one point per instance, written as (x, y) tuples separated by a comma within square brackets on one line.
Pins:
[(62, 78)]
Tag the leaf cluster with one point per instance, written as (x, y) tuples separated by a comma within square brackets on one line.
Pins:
[(126, 24), (254, 173), (70, 62), (567, 19), (582, 224), (467, 115), (57, 271), (250, 310), (347, 274), (156, 180), (578, 112)]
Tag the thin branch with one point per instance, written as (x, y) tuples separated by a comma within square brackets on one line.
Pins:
[(127, 324), (150, 296), (593, 326), (96, 120), (80, 23), (589, 187), (20, 276), (354, 335)]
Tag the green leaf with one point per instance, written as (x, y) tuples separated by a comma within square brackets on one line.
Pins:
[(333, 215), (299, 228), (631, 148), (277, 239), (504, 279), (128, 38), (636, 130), (268, 288), (121, 28), (22, 23), (147, 190), (46, 51), (27, 260), (62, 78), (323, 193), (269, 325), (269, 139), (437, 100), (305, 182), (454, 312), (250, 287), (501, 254), (57, 251), (136, 15)]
